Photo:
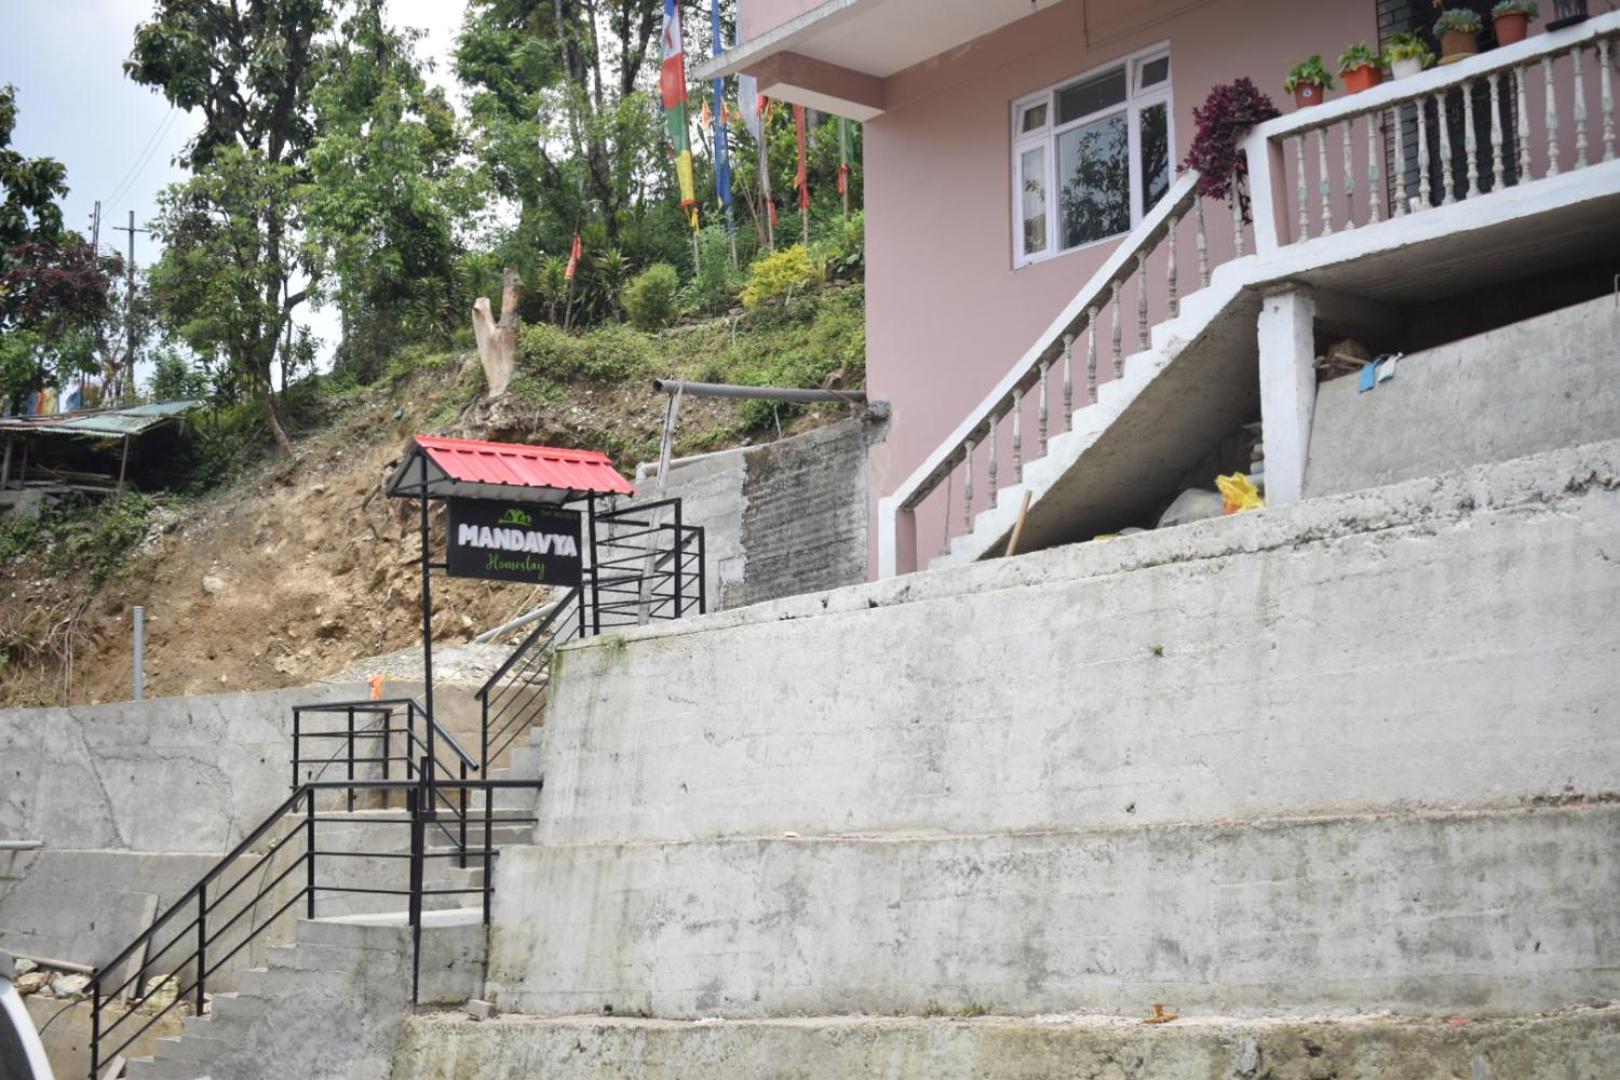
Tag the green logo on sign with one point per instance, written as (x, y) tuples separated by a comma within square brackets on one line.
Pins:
[(514, 516)]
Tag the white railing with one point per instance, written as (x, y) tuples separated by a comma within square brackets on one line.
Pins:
[(1449, 134), (1340, 166), (1143, 273)]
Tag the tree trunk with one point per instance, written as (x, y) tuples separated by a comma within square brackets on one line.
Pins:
[(267, 399)]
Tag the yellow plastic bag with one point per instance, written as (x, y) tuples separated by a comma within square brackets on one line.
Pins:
[(1238, 493)]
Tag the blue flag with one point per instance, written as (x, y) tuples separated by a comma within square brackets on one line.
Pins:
[(722, 136)]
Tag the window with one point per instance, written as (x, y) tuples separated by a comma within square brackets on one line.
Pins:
[(1090, 157)]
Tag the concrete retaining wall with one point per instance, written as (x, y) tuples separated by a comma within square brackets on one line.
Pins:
[(781, 519), (1540, 384), (1582, 1044), (1448, 642), (1503, 912)]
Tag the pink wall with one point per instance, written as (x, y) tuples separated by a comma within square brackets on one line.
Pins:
[(947, 315), (755, 17)]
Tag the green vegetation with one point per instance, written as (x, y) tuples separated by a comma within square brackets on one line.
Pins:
[(93, 538), (649, 299), (1310, 72)]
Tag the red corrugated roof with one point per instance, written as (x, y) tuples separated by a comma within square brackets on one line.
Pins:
[(472, 461)]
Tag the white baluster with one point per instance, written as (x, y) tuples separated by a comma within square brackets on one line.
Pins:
[(1068, 382), (1399, 209), (1346, 130), (1447, 150), (1498, 172), (1375, 190), (993, 468), (1141, 301), (1091, 354), (1174, 302), (1202, 243), (1552, 117), (1579, 107), (1521, 124), (1470, 144), (1119, 356), (1018, 434), (1046, 365), (1303, 191), (1607, 99), (1324, 185), (1237, 216), (1425, 192), (967, 490)]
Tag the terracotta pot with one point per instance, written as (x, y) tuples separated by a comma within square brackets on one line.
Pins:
[(1456, 44), (1307, 94), (1511, 28), (1362, 78), (1403, 68)]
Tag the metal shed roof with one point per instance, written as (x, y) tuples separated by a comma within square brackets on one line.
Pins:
[(470, 468), (102, 423)]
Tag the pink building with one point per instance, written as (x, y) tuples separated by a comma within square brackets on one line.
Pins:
[(1015, 147)]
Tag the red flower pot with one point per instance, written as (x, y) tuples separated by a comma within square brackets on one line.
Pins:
[(1362, 78), (1306, 94), (1456, 44), (1512, 28)]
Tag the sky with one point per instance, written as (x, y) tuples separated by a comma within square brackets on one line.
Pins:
[(118, 139)]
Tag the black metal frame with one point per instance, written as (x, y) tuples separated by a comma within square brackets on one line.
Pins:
[(204, 898), (644, 567)]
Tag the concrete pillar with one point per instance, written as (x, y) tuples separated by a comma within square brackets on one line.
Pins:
[(1287, 389)]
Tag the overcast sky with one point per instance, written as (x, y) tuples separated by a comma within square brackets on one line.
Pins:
[(118, 139)]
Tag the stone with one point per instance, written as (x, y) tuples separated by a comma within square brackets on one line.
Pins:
[(213, 585), (31, 983), (70, 984), (481, 1010)]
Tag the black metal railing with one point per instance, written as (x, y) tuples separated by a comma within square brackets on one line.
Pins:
[(219, 916), (403, 746), (513, 698), (646, 565)]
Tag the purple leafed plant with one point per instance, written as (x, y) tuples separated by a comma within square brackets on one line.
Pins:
[(1224, 119)]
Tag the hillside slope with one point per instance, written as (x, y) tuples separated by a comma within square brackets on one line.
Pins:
[(295, 570)]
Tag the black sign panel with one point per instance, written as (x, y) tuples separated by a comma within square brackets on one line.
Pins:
[(505, 541)]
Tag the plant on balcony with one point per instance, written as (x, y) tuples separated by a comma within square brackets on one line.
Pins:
[(1511, 20), (1360, 67), (1308, 82), (1224, 118), (1458, 31), (1407, 54)]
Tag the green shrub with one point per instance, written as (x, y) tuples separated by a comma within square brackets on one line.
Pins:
[(650, 298), (91, 537), (609, 353), (780, 274), (843, 249), (715, 284)]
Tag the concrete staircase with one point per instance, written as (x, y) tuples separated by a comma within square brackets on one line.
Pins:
[(327, 1005)]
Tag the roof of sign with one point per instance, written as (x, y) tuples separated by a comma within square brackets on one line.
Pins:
[(470, 468)]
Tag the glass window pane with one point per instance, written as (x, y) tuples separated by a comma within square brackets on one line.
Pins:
[(1155, 154), (1153, 72), (1034, 118), (1032, 201), (1087, 97), (1094, 178)]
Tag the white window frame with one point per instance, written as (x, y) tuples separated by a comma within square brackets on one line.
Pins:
[(1136, 101)]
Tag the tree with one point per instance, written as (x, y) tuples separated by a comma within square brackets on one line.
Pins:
[(29, 187), (231, 232)]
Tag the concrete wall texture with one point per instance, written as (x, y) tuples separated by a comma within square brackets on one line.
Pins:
[(1293, 765), (1535, 385), (781, 519)]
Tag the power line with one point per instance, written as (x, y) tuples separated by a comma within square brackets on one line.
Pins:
[(144, 158)]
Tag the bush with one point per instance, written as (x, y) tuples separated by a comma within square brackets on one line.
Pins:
[(608, 353), (715, 284), (844, 248), (781, 274), (649, 299)]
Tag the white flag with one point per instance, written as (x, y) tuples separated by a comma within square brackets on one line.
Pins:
[(748, 101)]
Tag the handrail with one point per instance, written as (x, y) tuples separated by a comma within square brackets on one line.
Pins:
[(528, 639)]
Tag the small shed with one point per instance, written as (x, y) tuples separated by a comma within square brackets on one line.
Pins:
[(89, 452)]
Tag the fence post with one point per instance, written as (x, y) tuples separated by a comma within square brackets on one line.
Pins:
[(702, 572), (95, 1026), (350, 711), (309, 856), (415, 798), (461, 859), (140, 652), (596, 575), (202, 942), (678, 558), (298, 715)]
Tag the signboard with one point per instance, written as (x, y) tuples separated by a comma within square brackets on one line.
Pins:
[(503, 541)]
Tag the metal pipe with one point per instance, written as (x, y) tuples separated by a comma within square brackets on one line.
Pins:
[(764, 393), (21, 845), (140, 652), (521, 621)]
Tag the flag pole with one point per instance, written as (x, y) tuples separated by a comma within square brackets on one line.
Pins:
[(722, 134)]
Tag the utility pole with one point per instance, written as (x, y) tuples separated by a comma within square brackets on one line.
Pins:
[(129, 304), (95, 229)]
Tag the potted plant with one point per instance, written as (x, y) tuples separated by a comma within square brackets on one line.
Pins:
[(1407, 54), (1511, 20), (1308, 82), (1229, 113), (1458, 31), (1360, 68)]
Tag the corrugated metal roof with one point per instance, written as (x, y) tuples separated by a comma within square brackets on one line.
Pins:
[(103, 423), (474, 468)]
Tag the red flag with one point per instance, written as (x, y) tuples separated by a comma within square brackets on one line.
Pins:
[(803, 177), (772, 204), (573, 260)]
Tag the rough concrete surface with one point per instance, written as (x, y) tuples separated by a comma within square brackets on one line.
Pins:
[(780, 519), (1535, 385), (1580, 1045), (1501, 913), (1445, 642)]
